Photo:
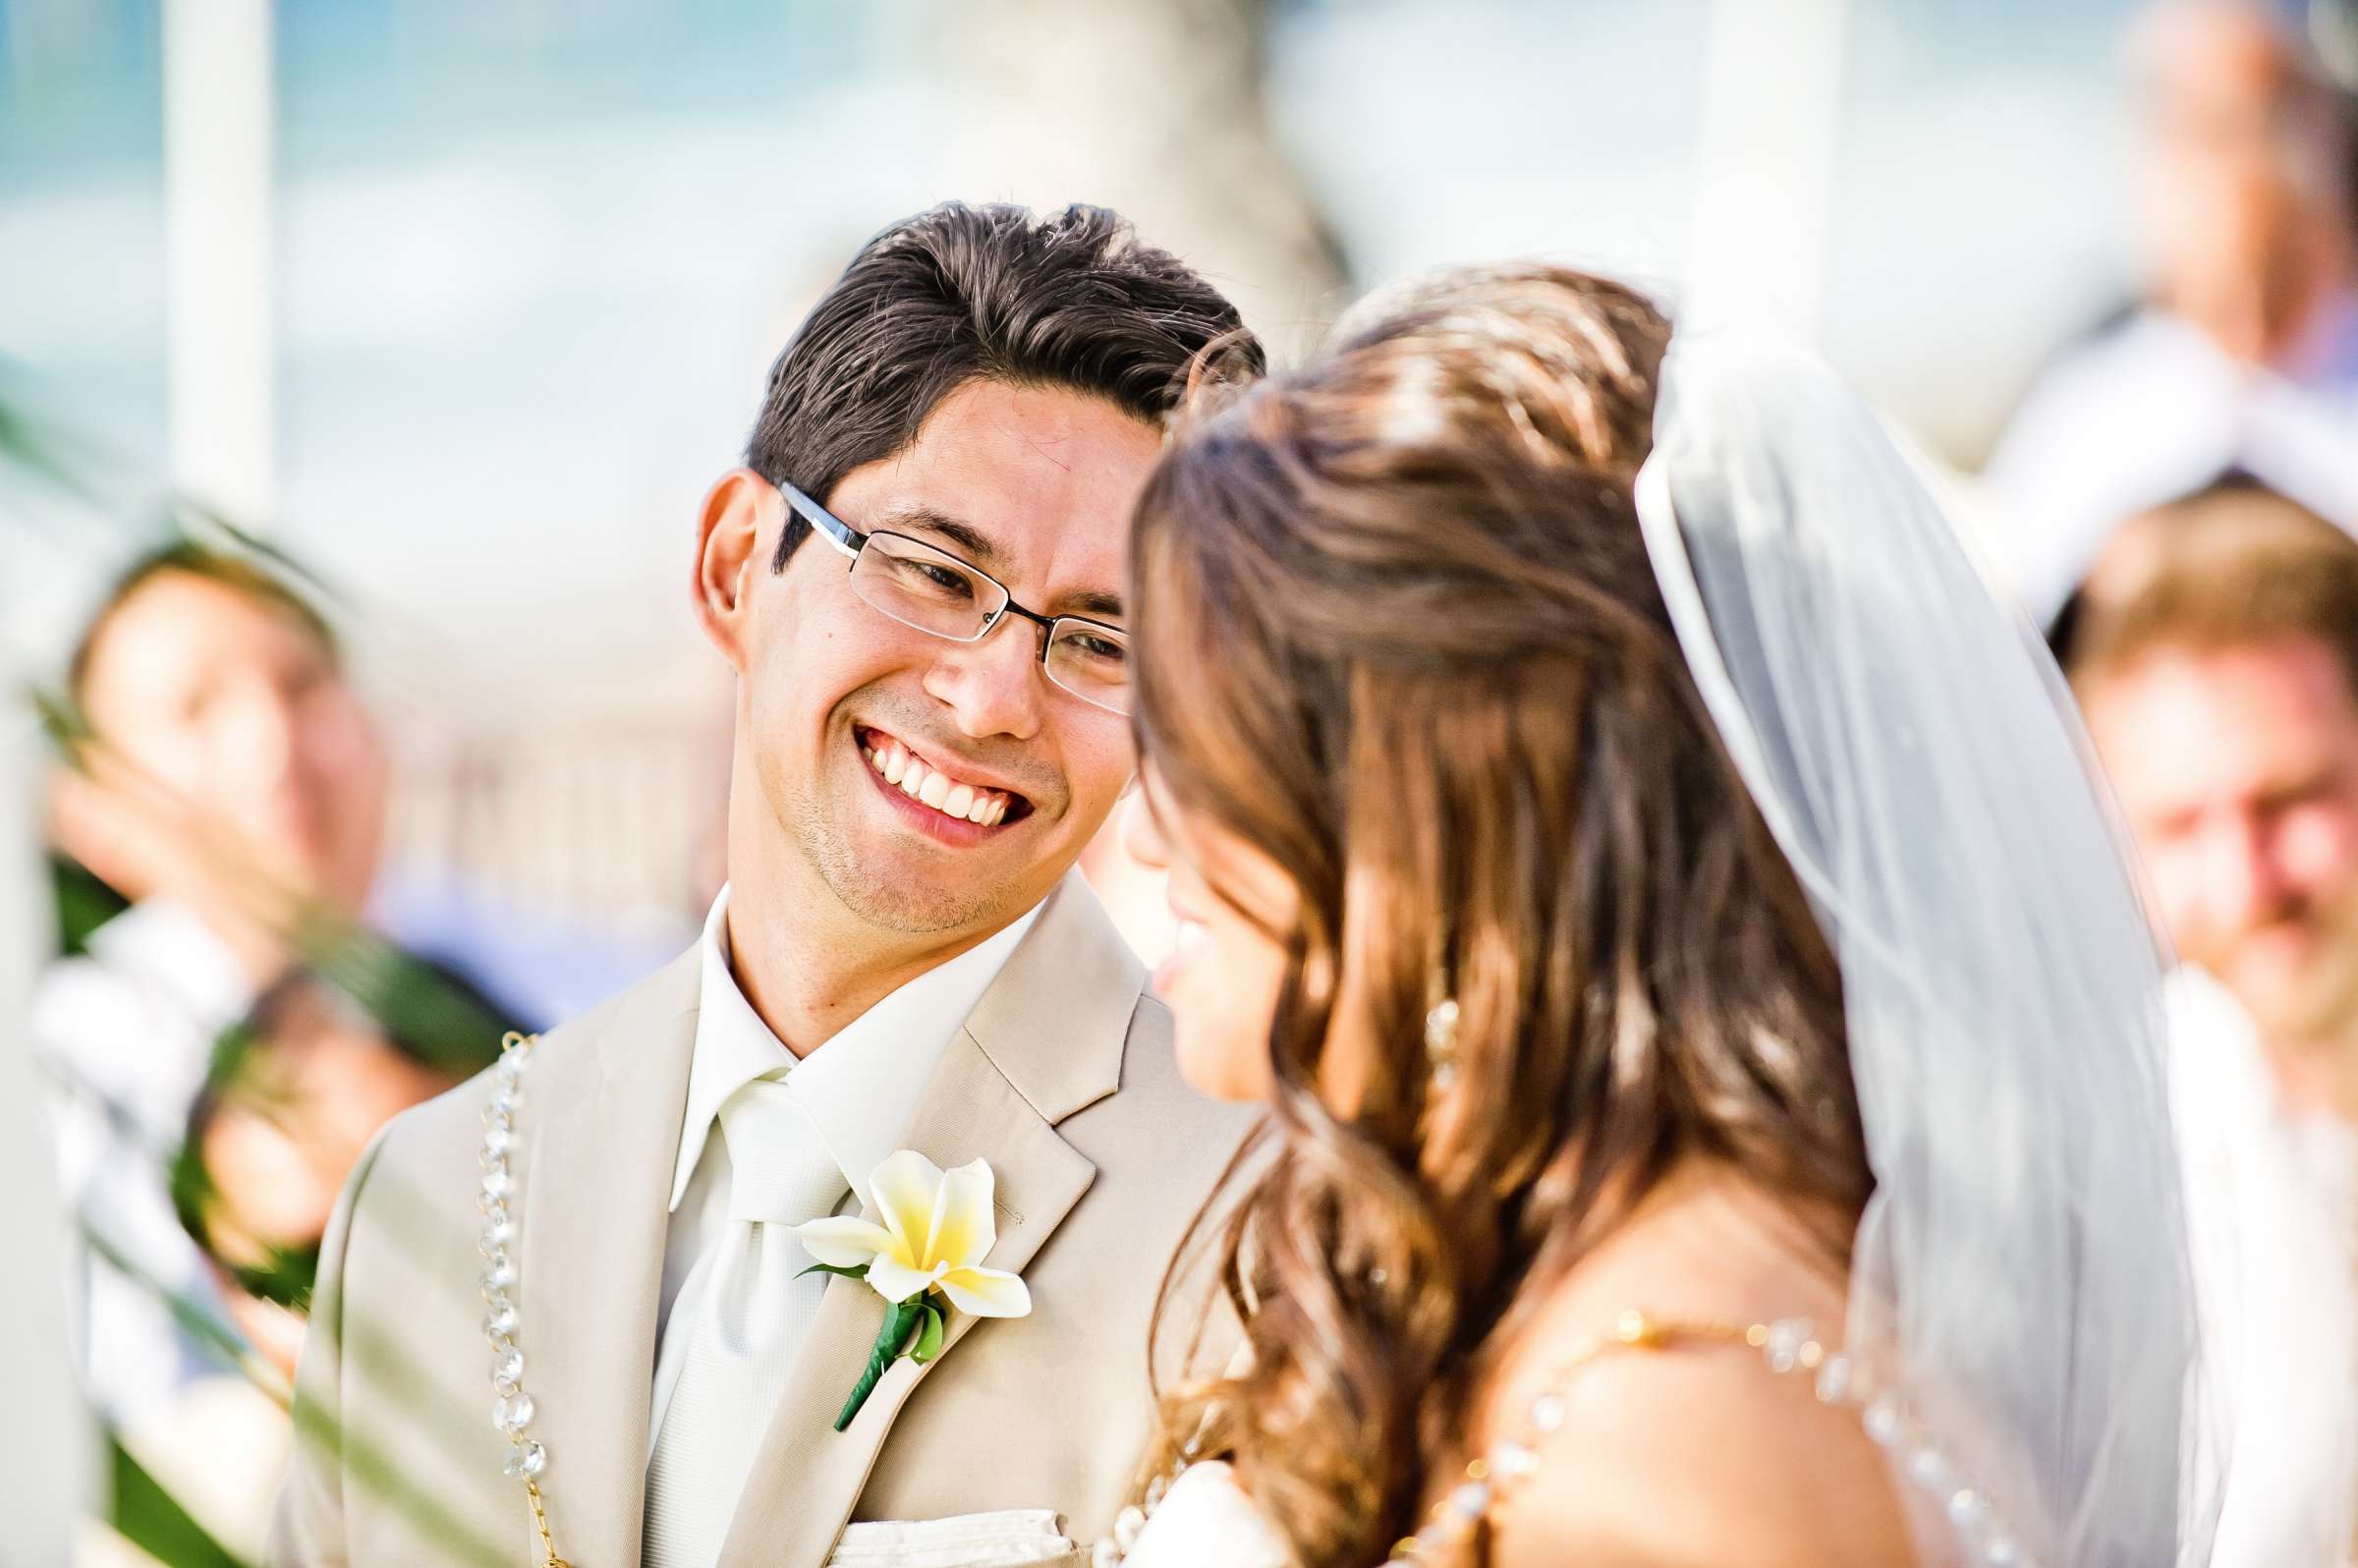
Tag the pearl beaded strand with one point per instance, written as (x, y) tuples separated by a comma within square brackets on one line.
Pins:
[(512, 1408)]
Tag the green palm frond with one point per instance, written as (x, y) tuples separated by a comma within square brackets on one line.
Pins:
[(146, 1514)]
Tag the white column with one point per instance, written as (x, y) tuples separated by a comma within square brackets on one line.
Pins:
[(1764, 164), (48, 1452), (219, 106)]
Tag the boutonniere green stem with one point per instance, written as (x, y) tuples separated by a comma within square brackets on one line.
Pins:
[(924, 1260)]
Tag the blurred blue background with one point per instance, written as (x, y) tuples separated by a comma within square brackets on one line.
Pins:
[(529, 262)]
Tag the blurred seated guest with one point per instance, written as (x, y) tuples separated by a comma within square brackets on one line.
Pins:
[(307, 1079), (229, 785), (2215, 650), (297, 1090), (2244, 352)]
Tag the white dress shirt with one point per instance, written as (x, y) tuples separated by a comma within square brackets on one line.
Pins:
[(861, 1090), (2150, 410), (2272, 1204), (123, 1036)]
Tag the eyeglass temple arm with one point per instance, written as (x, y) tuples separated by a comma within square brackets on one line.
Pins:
[(836, 530)]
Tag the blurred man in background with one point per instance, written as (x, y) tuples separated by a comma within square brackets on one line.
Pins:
[(2216, 659), (227, 792), (2244, 352), (2215, 650)]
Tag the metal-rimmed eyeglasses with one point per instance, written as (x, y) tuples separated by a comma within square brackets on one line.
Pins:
[(926, 587)]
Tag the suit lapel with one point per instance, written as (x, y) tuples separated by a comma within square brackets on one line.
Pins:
[(1045, 1040), (592, 1218)]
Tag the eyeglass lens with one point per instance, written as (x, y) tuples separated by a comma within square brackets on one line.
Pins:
[(935, 592)]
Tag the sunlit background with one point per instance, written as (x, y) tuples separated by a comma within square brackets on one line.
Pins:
[(462, 305)]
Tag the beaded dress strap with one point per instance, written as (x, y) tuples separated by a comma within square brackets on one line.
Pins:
[(1788, 1345)]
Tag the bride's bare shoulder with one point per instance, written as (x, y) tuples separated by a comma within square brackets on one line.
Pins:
[(1692, 1451)]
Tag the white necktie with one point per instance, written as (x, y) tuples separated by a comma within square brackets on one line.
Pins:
[(751, 1321)]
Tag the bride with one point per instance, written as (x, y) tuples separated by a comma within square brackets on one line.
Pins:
[(1706, 1025)]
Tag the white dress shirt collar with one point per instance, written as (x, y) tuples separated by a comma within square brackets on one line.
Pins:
[(863, 1086)]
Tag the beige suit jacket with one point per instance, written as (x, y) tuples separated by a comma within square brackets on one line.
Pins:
[(1062, 1079)]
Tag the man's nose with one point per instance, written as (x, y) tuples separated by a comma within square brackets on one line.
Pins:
[(2247, 884), (994, 685), (256, 739)]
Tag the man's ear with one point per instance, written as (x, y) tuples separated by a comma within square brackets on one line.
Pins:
[(739, 512)]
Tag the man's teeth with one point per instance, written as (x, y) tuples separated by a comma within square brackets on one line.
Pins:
[(967, 801)]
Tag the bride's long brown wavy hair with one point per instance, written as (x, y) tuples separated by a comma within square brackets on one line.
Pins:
[(1398, 631)]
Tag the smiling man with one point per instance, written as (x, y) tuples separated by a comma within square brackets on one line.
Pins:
[(2215, 655), (915, 577)]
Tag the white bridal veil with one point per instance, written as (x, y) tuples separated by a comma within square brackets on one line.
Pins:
[(2021, 1282)]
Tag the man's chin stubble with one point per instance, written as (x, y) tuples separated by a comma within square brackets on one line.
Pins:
[(910, 911), (894, 904)]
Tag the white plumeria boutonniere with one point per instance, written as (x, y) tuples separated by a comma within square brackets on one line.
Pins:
[(924, 1260)]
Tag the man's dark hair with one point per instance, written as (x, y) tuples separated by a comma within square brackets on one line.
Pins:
[(960, 294)]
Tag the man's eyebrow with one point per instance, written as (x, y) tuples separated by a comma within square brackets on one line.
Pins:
[(1095, 603), (918, 516), (1100, 604)]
